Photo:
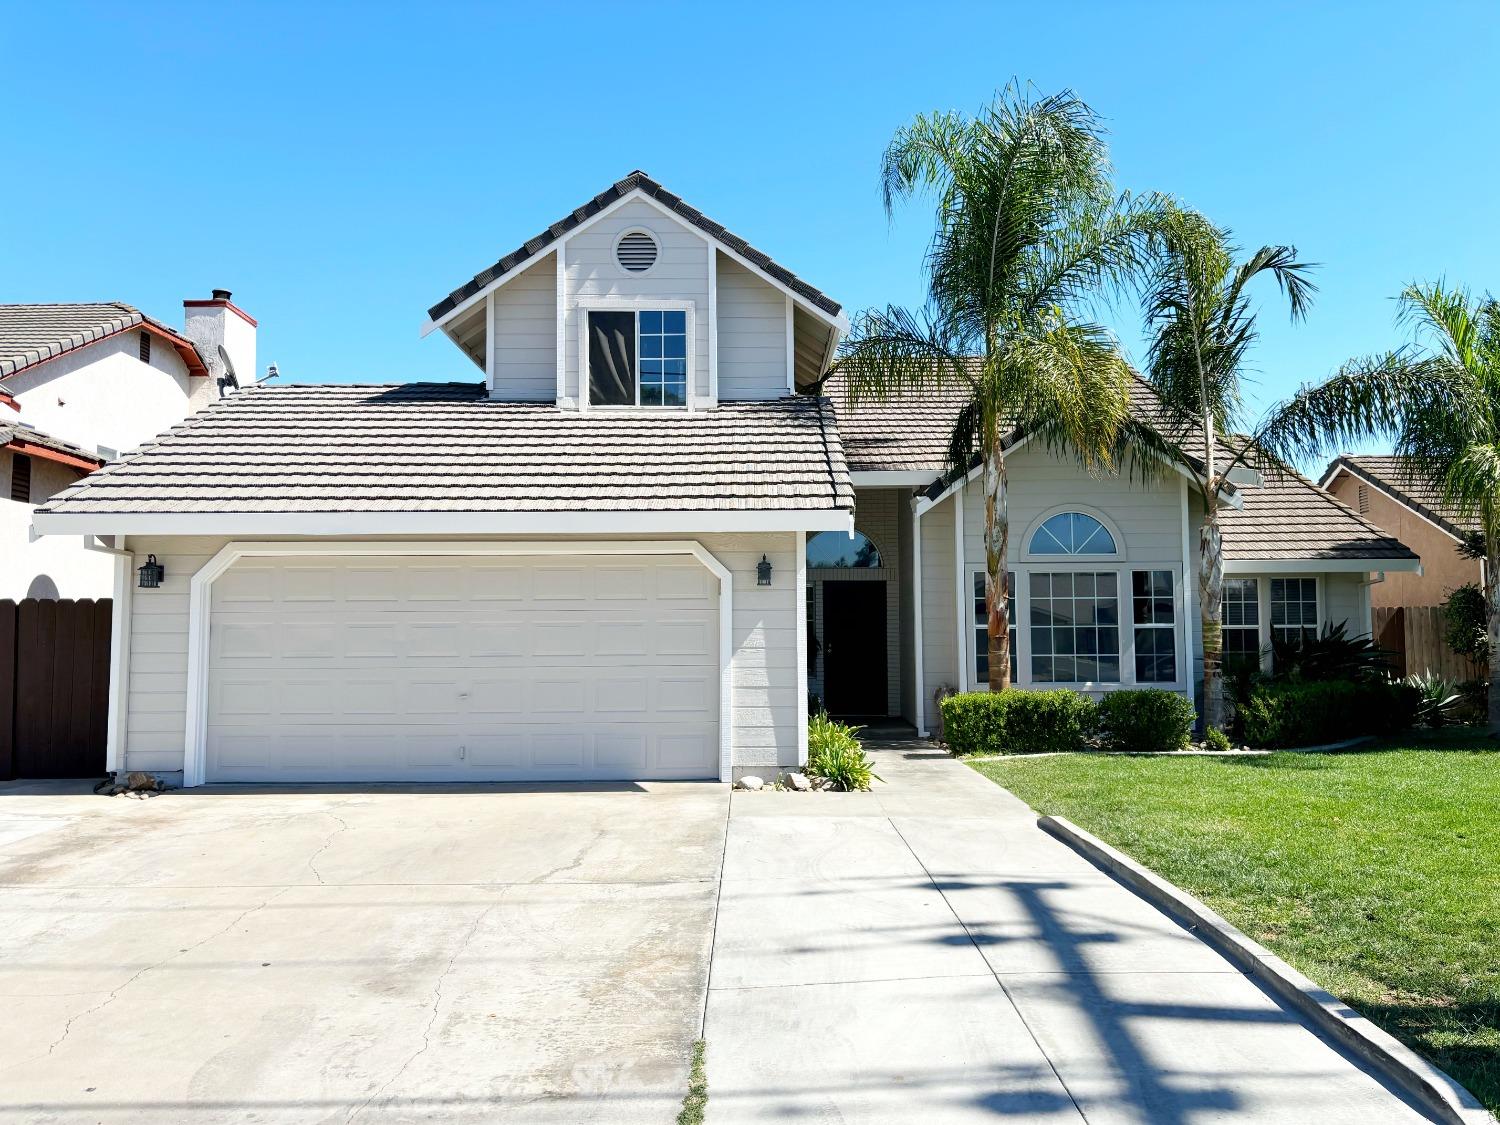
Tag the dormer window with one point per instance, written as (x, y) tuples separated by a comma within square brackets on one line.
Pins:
[(637, 357)]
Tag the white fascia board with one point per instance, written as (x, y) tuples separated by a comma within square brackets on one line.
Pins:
[(439, 523), (473, 299), (1319, 566), (892, 478)]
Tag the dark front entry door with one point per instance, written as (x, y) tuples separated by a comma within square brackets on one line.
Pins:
[(854, 648)]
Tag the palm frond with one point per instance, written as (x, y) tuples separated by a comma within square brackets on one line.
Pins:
[(893, 351)]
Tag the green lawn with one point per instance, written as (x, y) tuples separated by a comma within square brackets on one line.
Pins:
[(1377, 874)]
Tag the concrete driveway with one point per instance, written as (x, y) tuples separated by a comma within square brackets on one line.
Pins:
[(923, 953), (385, 955)]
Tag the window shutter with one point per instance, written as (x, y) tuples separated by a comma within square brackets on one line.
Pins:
[(636, 252), (20, 478), (145, 347)]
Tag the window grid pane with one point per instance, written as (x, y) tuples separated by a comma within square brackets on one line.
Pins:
[(1155, 619), (982, 627), (663, 358), (1075, 628), (1294, 608), (1241, 616)]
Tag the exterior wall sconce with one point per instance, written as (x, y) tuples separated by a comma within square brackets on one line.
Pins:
[(151, 574), (763, 572)]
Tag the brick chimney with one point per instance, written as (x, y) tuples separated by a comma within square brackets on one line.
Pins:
[(218, 323)]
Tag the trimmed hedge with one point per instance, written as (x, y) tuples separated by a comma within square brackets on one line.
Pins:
[(1018, 722), (1309, 714), (1146, 720)]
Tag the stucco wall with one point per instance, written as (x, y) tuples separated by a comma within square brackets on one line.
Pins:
[(103, 395), (55, 566), (1444, 569), (768, 681)]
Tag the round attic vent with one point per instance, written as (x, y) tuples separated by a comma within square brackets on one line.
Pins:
[(636, 251)]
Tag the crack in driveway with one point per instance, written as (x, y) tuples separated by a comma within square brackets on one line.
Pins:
[(139, 973)]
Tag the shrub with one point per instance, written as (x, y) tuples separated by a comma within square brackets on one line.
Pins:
[(1467, 623), (834, 754), (1145, 720), (1307, 714), (1216, 740), (1018, 722), (1329, 655), (1438, 699)]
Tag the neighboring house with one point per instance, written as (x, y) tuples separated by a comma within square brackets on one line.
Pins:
[(602, 561), (1410, 506), (84, 383)]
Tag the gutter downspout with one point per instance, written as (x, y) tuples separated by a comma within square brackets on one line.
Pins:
[(119, 651)]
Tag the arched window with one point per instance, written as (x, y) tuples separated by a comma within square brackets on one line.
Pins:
[(828, 549), (1072, 533)]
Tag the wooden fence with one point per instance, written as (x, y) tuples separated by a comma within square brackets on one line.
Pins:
[(54, 687), (1417, 634)]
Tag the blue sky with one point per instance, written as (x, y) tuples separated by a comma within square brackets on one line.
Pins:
[(341, 167)]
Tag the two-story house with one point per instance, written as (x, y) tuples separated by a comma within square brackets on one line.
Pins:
[(80, 384), (632, 549)]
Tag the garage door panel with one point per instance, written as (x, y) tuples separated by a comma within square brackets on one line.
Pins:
[(513, 669)]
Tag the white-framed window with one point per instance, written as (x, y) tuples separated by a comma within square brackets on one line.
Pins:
[(981, 621), (1154, 619), (1294, 608), (637, 357), (1072, 533), (1241, 623), (1074, 626)]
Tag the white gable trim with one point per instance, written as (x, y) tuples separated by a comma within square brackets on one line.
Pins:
[(840, 323), (195, 733)]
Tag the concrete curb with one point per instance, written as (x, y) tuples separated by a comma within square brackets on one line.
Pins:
[(1432, 1088)]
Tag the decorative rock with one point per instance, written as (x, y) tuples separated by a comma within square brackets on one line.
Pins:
[(138, 780), (798, 781), (751, 782)]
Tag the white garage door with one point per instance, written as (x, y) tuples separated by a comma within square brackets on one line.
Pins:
[(490, 668)]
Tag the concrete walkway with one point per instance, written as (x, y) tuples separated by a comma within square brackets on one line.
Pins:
[(927, 954)]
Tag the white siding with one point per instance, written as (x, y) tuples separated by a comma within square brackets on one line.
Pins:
[(767, 678), (680, 274), (908, 662), (525, 344), (752, 335)]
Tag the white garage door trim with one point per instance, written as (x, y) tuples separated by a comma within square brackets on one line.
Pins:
[(195, 746)]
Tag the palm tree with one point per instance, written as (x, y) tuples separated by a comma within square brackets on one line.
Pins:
[(1028, 234), (1202, 325), (1440, 400)]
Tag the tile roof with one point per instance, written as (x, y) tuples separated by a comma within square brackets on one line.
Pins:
[(1287, 517), (446, 447), (33, 334), (20, 432), (1397, 478), (636, 180)]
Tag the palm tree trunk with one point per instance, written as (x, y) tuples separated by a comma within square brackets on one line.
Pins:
[(996, 539), (1211, 603), (1492, 622)]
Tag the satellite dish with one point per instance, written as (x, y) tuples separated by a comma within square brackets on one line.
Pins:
[(228, 379)]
